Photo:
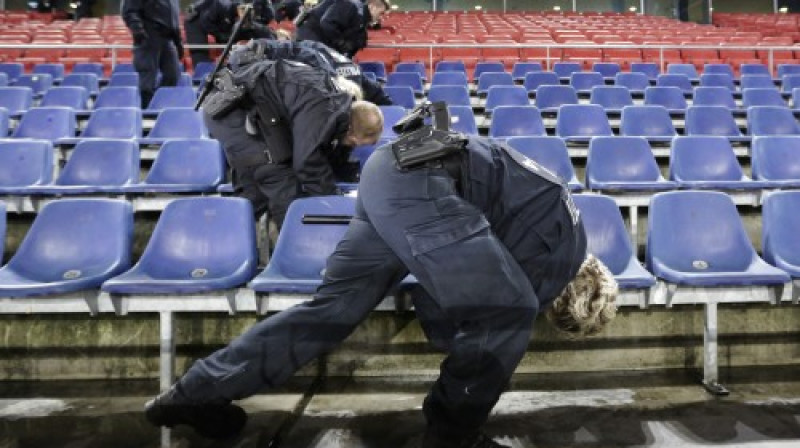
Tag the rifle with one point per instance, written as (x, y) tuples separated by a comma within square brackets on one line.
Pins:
[(247, 16)]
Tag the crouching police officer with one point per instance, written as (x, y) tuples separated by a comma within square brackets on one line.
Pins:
[(287, 129), (341, 24), (491, 236), (217, 18), (315, 54)]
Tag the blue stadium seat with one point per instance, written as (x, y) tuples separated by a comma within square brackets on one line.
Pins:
[(649, 69), (23, 164), (584, 81), (449, 78), (73, 97), (581, 122), (687, 70), (452, 95), (565, 68), (401, 96), (490, 79), (713, 120), (787, 69), (487, 67), (702, 162), (796, 98), (611, 98), (775, 160), (124, 79), (167, 97), (713, 96), (462, 119), (714, 248), (717, 80), (623, 164), (634, 81), (47, 123), (119, 96), (96, 166), (680, 81), (111, 122), (210, 257), (177, 122), (89, 67), (790, 82), (88, 81), (762, 97), (12, 69), (410, 79), (670, 97), (505, 96), (450, 66), (3, 122), (757, 81), (414, 67), (551, 153), (124, 67), (780, 213), (3, 80), (542, 78), (302, 248), (38, 83), (2, 229), (724, 69), (184, 166), (771, 120), (376, 67), (551, 98), (72, 245), (607, 69), (516, 121), (521, 69), (754, 69), (370, 75), (203, 69), (55, 70), (608, 240), (391, 115), (185, 80)]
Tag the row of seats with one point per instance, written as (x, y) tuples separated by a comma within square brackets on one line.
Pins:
[(714, 250), (109, 166), (17, 100), (59, 125), (41, 83)]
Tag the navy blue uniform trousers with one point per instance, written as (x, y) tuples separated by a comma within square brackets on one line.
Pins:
[(156, 54), (480, 301)]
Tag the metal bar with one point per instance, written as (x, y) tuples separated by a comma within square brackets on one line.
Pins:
[(711, 351), (167, 344)]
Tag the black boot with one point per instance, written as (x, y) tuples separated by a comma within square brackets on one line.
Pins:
[(212, 420), (432, 439)]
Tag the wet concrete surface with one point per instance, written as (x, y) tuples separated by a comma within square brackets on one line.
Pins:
[(636, 409)]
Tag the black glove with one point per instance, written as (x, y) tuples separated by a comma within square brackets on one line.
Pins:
[(139, 36)]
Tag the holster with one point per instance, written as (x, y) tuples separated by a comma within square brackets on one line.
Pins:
[(426, 144), (275, 131), (226, 95)]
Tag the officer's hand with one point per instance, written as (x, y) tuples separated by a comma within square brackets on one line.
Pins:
[(139, 37)]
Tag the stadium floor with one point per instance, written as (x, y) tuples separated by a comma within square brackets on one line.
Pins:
[(555, 410)]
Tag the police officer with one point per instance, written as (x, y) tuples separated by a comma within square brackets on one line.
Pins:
[(291, 135), (491, 236), (341, 24), (156, 42), (288, 10), (217, 18), (315, 54)]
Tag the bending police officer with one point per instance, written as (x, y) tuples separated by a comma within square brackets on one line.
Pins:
[(315, 54), (492, 237), (341, 24), (291, 133), (157, 44), (288, 10), (217, 18)]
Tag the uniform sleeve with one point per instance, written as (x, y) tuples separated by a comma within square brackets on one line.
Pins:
[(132, 15), (337, 22), (373, 92)]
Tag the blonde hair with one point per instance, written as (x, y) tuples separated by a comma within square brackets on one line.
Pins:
[(282, 34), (345, 85), (366, 120), (588, 302)]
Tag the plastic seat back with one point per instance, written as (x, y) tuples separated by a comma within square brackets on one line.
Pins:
[(376, 67), (490, 79), (703, 158), (487, 67), (102, 163), (634, 81), (711, 120), (550, 152), (505, 96), (620, 160), (401, 96), (584, 81), (178, 122), (12, 69), (582, 121), (16, 100), (717, 80), (540, 78), (449, 78), (516, 121), (47, 123), (114, 122), (2, 229), (553, 97), (73, 244), (521, 69), (649, 69), (780, 221), (73, 97), (713, 96), (3, 122), (88, 81), (410, 79), (771, 120), (762, 97), (776, 158), (25, 163), (119, 96), (55, 70), (38, 83), (611, 97), (687, 70), (413, 67), (167, 97), (124, 79), (757, 82), (89, 67), (450, 66), (607, 69), (189, 162), (462, 119), (724, 69), (754, 69), (564, 69), (391, 115), (670, 97), (680, 81), (450, 94)]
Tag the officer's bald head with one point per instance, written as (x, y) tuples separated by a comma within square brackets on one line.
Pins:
[(366, 124)]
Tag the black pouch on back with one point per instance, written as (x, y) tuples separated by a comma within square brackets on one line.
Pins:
[(426, 144), (225, 97)]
